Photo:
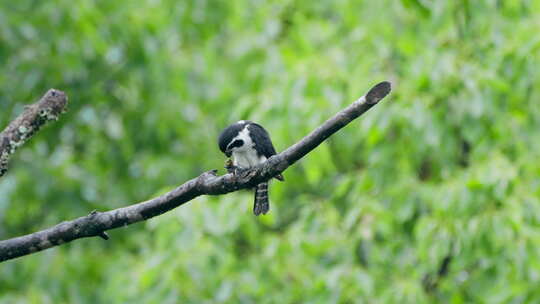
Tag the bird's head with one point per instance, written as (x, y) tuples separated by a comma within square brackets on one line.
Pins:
[(233, 138)]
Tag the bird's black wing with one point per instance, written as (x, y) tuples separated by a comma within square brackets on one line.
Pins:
[(262, 141)]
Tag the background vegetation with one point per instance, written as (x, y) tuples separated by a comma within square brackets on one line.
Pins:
[(446, 166)]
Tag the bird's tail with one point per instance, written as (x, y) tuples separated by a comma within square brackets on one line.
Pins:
[(261, 204)]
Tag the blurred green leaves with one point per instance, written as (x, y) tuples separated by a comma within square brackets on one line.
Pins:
[(447, 164)]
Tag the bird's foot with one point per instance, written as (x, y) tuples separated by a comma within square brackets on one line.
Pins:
[(235, 170), (232, 169), (242, 172)]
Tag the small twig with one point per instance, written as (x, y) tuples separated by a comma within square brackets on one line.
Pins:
[(101, 234), (48, 108), (96, 223)]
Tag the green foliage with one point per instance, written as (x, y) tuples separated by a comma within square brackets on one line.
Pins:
[(447, 164)]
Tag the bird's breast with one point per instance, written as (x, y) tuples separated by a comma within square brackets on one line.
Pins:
[(247, 159)]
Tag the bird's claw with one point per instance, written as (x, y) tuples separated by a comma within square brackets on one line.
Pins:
[(240, 171), (235, 170)]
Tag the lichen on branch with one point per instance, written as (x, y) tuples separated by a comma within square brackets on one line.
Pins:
[(48, 108)]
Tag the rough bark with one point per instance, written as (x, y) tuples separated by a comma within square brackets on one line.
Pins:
[(208, 183), (48, 108)]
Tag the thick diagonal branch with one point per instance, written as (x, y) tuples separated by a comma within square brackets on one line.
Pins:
[(96, 223), (48, 108)]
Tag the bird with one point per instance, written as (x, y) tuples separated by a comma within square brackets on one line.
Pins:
[(249, 144)]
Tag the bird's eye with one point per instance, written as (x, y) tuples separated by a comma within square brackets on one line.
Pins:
[(235, 144)]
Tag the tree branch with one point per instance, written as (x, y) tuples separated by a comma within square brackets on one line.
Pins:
[(96, 223), (48, 108)]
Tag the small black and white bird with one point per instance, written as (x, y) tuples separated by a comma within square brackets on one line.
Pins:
[(249, 145)]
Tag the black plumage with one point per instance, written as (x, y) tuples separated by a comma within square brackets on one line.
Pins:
[(263, 144)]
